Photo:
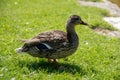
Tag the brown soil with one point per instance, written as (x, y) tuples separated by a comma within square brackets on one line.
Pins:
[(112, 8), (105, 4), (107, 32)]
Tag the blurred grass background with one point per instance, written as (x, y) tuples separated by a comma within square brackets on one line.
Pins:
[(97, 58)]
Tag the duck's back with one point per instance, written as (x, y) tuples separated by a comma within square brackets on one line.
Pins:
[(52, 38), (51, 35)]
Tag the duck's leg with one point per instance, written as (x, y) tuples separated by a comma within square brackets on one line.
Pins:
[(55, 60), (52, 60)]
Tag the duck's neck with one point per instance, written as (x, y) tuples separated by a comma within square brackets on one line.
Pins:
[(71, 34)]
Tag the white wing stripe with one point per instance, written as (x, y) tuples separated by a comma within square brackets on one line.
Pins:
[(48, 46)]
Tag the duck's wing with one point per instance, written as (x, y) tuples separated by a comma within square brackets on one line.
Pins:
[(49, 40)]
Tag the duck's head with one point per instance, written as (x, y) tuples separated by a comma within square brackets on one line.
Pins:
[(75, 19)]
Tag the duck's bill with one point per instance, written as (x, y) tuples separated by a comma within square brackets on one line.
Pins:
[(83, 23)]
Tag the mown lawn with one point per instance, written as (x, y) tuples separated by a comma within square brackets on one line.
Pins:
[(94, 0), (97, 58)]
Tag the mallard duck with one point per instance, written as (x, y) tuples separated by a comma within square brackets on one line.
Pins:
[(54, 44)]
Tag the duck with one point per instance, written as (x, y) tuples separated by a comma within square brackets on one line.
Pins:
[(54, 44)]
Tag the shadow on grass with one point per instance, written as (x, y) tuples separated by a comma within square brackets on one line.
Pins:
[(51, 68)]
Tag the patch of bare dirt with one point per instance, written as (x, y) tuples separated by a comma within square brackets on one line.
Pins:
[(113, 9), (105, 4), (107, 32), (115, 21)]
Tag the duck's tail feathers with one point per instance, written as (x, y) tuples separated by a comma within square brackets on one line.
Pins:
[(18, 50)]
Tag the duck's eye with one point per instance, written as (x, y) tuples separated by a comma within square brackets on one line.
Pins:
[(76, 18)]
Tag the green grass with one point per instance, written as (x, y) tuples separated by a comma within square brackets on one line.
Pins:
[(94, 0), (97, 57)]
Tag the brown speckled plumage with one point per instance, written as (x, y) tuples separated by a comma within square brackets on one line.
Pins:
[(54, 44)]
